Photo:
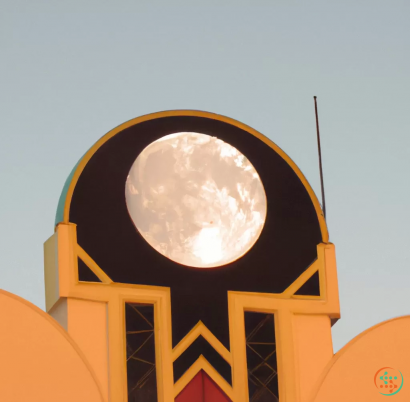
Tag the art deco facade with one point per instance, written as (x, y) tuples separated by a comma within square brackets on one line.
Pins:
[(191, 262)]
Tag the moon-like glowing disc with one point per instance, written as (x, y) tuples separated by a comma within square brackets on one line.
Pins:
[(196, 199)]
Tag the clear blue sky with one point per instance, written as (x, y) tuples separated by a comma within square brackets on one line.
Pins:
[(71, 71)]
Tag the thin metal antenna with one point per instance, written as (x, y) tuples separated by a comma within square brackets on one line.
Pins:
[(320, 160)]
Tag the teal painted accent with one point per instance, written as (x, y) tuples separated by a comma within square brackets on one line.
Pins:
[(61, 201)]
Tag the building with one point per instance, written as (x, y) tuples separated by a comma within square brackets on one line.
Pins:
[(191, 262)]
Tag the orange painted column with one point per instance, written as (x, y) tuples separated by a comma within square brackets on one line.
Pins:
[(314, 350), (86, 323)]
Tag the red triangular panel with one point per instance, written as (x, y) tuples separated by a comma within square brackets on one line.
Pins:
[(212, 392), (193, 392), (202, 389)]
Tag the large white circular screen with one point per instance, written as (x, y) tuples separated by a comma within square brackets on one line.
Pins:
[(196, 199)]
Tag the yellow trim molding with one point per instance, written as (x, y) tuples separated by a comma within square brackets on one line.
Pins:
[(200, 329), (87, 260)]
